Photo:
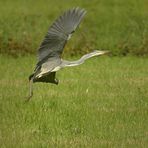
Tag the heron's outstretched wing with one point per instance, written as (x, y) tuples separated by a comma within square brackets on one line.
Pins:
[(59, 32)]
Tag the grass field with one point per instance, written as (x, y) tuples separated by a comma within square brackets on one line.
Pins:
[(120, 26), (103, 103)]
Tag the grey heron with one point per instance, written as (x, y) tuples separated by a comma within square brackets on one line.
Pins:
[(51, 48)]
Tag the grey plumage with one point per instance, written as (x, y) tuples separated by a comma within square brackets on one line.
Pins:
[(59, 32), (51, 48)]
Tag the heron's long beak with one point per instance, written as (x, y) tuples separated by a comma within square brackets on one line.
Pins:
[(101, 52)]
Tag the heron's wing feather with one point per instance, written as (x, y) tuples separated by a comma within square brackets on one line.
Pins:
[(50, 64), (59, 32), (47, 78)]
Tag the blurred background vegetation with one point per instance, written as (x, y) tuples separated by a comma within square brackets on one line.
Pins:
[(120, 26), (103, 103)]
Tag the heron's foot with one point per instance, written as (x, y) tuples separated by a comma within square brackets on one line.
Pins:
[(29, 97)]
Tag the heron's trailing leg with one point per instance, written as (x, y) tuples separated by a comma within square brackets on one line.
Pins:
[(30, 89)]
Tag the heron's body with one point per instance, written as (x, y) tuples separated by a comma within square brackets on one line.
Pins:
[(51, 48)]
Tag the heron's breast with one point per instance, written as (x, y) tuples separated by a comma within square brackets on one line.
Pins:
[(56, 69)]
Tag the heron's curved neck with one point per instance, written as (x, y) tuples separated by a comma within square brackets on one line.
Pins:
[(66, 63), (72, 63)]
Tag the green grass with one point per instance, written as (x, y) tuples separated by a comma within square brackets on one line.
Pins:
[(102, 103), (120, 26)]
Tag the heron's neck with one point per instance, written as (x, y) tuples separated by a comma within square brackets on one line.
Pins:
[(66, 63), (82, 59)]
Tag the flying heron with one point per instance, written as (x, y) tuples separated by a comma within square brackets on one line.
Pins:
[(51, 48)]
